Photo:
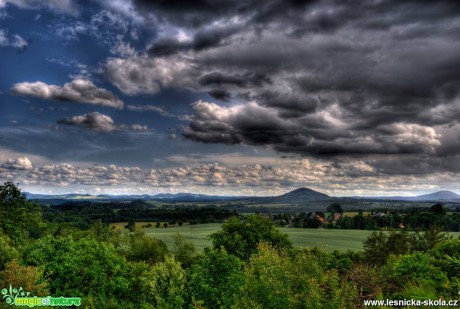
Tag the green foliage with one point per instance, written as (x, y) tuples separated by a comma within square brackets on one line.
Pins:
[(184, 250), (446, 256), (420, 267), (8, 251), (429, 239), (164, 285), (343, 261), (20, 218), (380, 245), (101, 231), (139, 247), (274, 280), (240, 237), (137, 273), (81, 267), (215, 279), (450, 247), (418, 290)]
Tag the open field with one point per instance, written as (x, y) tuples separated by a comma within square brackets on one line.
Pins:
[(328, 240)]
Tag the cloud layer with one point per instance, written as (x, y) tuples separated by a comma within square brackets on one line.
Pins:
[(343, 178)]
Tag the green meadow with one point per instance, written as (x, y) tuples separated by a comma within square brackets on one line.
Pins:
[(325, 239)]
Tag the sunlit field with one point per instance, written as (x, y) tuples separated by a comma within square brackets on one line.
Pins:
[(326, 239)]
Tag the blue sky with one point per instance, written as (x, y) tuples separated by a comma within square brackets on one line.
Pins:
[(234, 98)]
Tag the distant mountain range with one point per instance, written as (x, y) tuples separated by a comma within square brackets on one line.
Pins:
[(439, 196), (297, 196), (177, 197)]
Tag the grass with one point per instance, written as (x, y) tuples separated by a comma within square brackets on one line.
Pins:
[(196, 233), (327, 240)]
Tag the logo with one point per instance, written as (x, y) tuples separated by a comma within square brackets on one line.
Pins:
[(20, 297)]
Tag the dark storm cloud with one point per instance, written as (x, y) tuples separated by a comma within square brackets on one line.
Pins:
[(203, 39), (200, 12), (220, 94), (191, 13), (166, 47), (366, 83), (248, 78), (217, 78), (255, 125)]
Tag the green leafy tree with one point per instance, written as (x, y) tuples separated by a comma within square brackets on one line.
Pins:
[(215, 279), (184, 250), (429, 238), (380, 245), (138, 247), (240, 237), (81, 267), (19, 218), (446, 256), (102, 232), (164, 285), (420, 267)]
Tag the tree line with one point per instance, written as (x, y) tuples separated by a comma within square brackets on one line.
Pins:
[(412, 219), (84, 214)]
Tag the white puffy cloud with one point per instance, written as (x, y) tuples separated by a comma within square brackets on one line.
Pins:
[(78, 90), (20, 163), (144, 75)]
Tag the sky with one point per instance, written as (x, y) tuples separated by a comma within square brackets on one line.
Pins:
[(230, 97)]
